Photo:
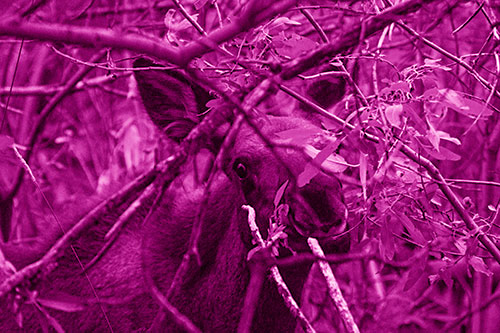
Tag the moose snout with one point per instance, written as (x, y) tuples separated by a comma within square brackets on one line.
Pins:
[(318, 210)]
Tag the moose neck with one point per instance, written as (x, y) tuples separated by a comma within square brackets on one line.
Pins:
[(212, 295)]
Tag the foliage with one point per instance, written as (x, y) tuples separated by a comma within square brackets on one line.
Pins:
[(414, 263)]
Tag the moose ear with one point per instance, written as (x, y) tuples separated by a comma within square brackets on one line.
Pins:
[(173, 101)]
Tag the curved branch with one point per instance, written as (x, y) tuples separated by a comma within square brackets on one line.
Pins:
[(94, 37), (433, 171), (253, 15), (352, 38)]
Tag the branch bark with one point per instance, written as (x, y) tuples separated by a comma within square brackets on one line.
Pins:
[(255, 13)]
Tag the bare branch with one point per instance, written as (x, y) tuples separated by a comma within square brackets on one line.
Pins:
[(282, 287), (333, 288), (96, 37)]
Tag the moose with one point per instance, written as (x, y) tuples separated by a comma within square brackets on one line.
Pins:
[(213, 290)]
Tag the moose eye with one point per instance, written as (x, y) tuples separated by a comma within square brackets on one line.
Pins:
[(240, 169)]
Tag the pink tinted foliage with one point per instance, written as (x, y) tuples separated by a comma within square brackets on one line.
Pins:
[(401, 108)]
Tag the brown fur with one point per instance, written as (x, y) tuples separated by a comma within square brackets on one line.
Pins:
[(212, 295)]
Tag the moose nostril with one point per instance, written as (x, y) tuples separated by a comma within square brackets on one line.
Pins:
[(240, 169), (318, 200), (325, 228), (334, 224)]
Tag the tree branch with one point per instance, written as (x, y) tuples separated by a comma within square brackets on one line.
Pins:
[(252, 16), (351, 38)]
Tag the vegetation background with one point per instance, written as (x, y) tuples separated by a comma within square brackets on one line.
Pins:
[(421, 76)]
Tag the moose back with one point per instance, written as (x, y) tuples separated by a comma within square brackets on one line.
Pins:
[(212, 293)]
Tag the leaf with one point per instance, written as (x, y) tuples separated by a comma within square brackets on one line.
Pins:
[(401, 85), (361, 231), (54, 323), (279, 193), (436, 136), (418, 123), (51, 320), (19, 319), (434, 63), (177, 23), (415, 234), (362, 172), (386, 244), (393, 114), (198, 4), (477, 108), (417, 269), (310, 171), (280, 24), (463, 103), (6, 142), (298, 136), (214, 103), (280, 217), (63, 302), (461, 245), (446, 136), (445, 275), (324, 158), (432, 136), (479, 266), (333, 163), (6, 267), (444, 154), (292, 46), (431, 94), (131, 147)]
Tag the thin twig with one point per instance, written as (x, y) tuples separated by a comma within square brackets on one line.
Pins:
[(333, 288), (57, 250), (282, 287), (114, 231), (180, 319), (44, 114), (351, 38), (252, 16), (188, 17), (451, 56), (47, 90), (433, 171)]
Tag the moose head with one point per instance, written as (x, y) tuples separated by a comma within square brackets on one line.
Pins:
[(251, 173), (260, 167)]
